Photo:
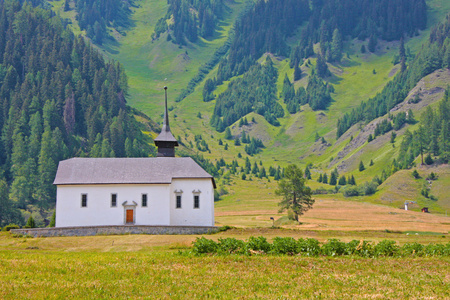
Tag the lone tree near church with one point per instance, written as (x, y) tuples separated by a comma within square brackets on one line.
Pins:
[(296, 195)]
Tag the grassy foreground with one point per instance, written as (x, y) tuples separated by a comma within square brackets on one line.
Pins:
[(151, 267), (163, 275)]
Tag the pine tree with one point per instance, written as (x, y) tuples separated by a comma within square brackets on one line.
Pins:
[(297, 71), (333, 178), (129, 151), (393, 136), (52, 220), (30, 223), (237, 141), (372, 43), (321, 67), (228, 135), (255, 168), (361, 166), (6, 208), (47, 169), (336, 46), (307, 173), (262, 173), (342, 180), (296, 195), (363, 49)]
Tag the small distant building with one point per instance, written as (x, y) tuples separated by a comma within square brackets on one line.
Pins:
[(165, 190), (425, 210)]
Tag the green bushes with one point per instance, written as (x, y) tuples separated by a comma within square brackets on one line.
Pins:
[(10, 226), (202, 245), (285, 245), (334, 247), (386, 248), (312, 247)]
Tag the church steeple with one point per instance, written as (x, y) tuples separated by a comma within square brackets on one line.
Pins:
[(165, 141)]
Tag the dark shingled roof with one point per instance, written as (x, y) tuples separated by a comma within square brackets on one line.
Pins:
[(166, 136), (127, 170)]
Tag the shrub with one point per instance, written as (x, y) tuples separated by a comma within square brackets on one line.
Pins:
[(429, 160), (311, 247), (413, 249), (259, 244), (231, 245), (284, 245), (203, 245), (350, 191), (225, 228), (30, 223), (334, 247), (53, 220), (432, 176), (308, 247), (360, 248), (10, 226), (415, 174), (436, 250), (320, 191), (386, 248), (368, 188)]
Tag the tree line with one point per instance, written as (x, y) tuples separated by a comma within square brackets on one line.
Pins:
[(255, 91), (58, 98), (431, 141), (95, 16), (333, 20), (191, 19), (263, 28)]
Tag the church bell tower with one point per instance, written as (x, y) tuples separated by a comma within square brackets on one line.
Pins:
[(165, 141)]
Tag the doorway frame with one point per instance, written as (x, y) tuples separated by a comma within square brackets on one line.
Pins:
[(129, 206)]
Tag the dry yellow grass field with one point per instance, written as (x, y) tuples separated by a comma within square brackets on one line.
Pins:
[(335, 214)]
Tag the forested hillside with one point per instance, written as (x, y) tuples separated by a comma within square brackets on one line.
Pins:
[(95, 15), (433, 56), (59, 98), (191, 19), (266, 27)]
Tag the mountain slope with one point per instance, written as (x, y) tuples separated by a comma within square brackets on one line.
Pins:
[(151, 64)]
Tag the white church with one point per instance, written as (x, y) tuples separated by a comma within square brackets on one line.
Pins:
[(164, 191)]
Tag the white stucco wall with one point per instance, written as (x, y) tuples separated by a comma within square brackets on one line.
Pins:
[(160, 210), (99, 211), (187, 214)]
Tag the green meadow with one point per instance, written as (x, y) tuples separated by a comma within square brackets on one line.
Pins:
[(162, 267)]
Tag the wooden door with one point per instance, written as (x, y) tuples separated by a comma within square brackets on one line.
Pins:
[(130, 216)]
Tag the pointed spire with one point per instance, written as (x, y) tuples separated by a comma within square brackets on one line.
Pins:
[(166, 126), (165, 141)]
